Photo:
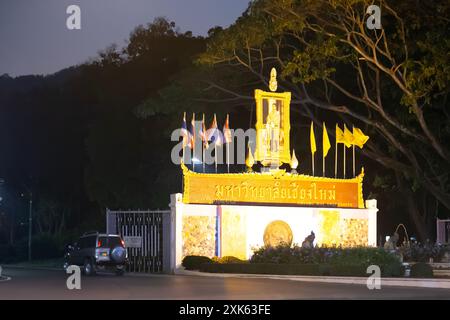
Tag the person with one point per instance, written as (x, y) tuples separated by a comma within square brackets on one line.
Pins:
[(273, 127)]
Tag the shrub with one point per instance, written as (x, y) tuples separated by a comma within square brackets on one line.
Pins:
[(423, 252), (332, 255), (421, 270), (287, 269), (194, 262), (364, 256), (335, 260), (228, 259)]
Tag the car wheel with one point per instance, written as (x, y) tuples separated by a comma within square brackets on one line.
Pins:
[(88, 268)]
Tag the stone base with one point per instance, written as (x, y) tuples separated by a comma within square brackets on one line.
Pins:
[(235, 230)]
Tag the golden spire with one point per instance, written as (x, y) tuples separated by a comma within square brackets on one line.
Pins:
[(249, 161), (294, 161), (273, 85)]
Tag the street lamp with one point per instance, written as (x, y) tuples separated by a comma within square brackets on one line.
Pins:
[(30, 221), (30, 224)]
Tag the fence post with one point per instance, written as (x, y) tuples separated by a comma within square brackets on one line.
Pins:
[(111, 227), (166, 245)]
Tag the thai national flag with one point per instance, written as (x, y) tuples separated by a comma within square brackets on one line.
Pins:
[(185, 133), (227, 131), (203, 133), (214, 134), (192, 133)]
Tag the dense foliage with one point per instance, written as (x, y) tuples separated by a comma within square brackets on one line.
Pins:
[(364, 256), (72, 142), (97, 135), (194, 262)]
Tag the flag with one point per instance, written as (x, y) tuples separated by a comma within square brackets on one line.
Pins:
[(214, 134), (227, 131), (339, 135), (359, 137), (325, 141), (203, 134), (348, 137), (184, 132), (313, 139), (192, 133)]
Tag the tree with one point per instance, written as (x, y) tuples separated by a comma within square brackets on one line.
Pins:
[(392, 81)]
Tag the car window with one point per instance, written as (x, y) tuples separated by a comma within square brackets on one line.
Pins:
[(103, 241), (114, 242)]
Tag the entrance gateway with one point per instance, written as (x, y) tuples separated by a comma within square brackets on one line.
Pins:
[(230, 214)]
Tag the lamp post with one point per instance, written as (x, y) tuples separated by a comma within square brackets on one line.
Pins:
[(30, 224)]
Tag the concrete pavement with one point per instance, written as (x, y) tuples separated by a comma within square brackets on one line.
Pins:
[(41, 284)]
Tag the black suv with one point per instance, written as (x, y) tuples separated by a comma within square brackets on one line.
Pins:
[(97, 252)]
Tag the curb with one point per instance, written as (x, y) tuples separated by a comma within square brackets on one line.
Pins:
[(397, 282), (32, 268), (132, 274)]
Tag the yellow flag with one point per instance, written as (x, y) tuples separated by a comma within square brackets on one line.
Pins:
[(359, 137), (348, 137), (313, 139), (325, 141), (339, 135)]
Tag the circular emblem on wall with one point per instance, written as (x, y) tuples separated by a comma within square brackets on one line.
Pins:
[(276, 233)]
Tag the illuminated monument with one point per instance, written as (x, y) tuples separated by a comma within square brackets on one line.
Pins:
[(230, 214)]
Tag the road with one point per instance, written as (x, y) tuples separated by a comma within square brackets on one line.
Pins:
[(38, 284)]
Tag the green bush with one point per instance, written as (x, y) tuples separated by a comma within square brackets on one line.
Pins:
[(194, 262), (334, 260), (287, 269), (332, 255), (417, 252), (228, 259), (421, 270), (292, 269)]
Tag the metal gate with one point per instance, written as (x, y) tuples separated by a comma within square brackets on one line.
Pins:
[(443, 231), (143, 234)]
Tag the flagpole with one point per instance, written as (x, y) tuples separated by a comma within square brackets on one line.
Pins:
[(182, 154), (203, 156), (215, 155), (203, 142), (323, 165), (344, 158), (193, 143), (354, 175), (353, 130), (228, 157), (312, 158), (335, 158)]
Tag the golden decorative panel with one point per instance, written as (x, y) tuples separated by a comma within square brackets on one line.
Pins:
[(272, 127), (274, 187), (337, 231), (198, 234), (277, 233), (329, 228), (234, 234), (356, 232)]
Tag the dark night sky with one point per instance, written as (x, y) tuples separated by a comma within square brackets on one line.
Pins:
[(34, 38)]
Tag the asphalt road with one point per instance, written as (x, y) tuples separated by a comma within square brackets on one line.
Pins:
[(38, 284)]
